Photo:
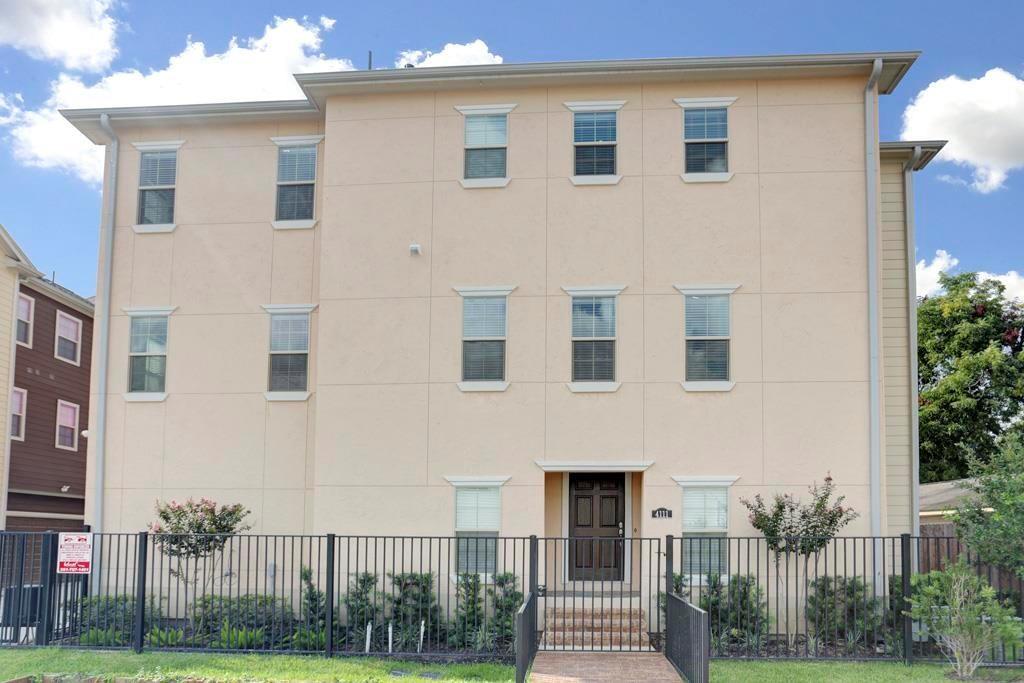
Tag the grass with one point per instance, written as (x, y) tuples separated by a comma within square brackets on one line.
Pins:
[(724, 671), (176, 666)]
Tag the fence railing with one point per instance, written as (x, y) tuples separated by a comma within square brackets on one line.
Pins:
[(526, 636), (687, 633), (459, 596)]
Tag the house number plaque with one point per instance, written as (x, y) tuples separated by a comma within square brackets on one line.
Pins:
[(661, 513)]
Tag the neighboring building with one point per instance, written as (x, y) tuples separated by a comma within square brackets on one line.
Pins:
[(939, 499), (49, 329), (463, 300)]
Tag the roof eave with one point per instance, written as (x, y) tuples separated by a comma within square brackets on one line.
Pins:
[(61, 294), (905, 149)]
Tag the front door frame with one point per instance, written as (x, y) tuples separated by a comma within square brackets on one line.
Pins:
[(627, 553)]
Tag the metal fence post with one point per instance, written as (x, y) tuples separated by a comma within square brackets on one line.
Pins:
[(669, 568), (139, 630), (47, 576), (329, 636), (908, 622), (534, 578)]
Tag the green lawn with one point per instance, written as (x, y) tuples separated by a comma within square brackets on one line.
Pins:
[(723, 671)]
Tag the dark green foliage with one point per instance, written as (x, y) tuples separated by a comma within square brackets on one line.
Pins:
[(231, 637), (507, 599), (271, 617), (196, 528), (970, 350), (308, 639), (362, 607), (412, 603), (311, 632), (103, 637), (116, 614), (737, 611), (678, 587), (165, 637), (842, 609), (470, 624)]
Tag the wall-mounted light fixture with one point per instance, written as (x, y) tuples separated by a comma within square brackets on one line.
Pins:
[(415, 249)]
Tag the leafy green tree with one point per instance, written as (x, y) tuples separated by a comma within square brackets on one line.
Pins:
[(991, 521), (970, 351)]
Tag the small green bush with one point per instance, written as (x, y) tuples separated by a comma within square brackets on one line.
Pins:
[(841, 608), (106, 637), (737, 611), (238, 638), (308, 639), (413, 603), (269, 615), (165, 637), (470, 624), (507, 599), (362, 607), (115, 613)]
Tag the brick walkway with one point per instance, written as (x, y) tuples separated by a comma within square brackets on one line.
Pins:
[(584, 667)]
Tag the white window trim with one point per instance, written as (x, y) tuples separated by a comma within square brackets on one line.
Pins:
[(595, 179), (471, 109), (23, 413), (297, 141), (31, 320), (474, 482), (482, 386), (149, 311), (290, 309), (145, 396), (477, 482), (705, 103), (697, 482), (484, 183), (707, 290), (289, 396), (596, 106), (594, 291), (485, 110), (593, 387), (159, 146), (57, 426), (304, 224), (493, 291), (78, 343), (599, 290)]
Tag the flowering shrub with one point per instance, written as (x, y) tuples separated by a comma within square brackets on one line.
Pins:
[(196, 528), (790, 526)]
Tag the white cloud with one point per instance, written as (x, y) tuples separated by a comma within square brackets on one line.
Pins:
[(453, 54), (80, 34), (983, 119), (251, 69), (1012, 280), (928, 273)]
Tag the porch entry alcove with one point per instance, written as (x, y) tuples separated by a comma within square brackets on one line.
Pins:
[(597, 521)]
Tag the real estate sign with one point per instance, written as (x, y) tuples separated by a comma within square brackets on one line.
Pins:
[(74, 553)]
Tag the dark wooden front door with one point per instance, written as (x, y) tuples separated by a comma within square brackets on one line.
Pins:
[(597, 518)]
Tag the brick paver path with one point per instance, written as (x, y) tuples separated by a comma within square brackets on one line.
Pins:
[(584, 667)]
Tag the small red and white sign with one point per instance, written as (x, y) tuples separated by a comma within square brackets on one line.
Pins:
[(74, 553)]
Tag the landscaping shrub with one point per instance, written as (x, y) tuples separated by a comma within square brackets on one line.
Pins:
[(165, 637), (271, 617), (470, 624), (413, 603), (311, 632), (737, 611), (362, 607), (842, 609), (116, 614), (231, 637), (507, 599), (105, 637)]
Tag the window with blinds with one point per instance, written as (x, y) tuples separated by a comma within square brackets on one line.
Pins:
[(26, 313), (157, 177), (68, 341), (67, 426), (289, 351), (19, 401), (483, 338), (706, 139), (593, 339), (705, 530), (477, 523), (707, 337), (147, 370), (486, 145), (296, 179), (594, 139)]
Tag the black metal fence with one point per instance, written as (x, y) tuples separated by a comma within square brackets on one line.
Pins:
[(687, 635)]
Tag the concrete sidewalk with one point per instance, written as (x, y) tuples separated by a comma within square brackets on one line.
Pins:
[(583, 667)]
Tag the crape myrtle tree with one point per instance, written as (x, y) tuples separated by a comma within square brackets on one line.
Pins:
[(970, 350)]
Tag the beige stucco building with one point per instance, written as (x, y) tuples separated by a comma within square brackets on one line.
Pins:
[(428, 301)]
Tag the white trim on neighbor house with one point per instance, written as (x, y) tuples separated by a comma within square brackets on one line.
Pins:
[(487, 290), (470, 387), (595, 179), (484, 183), (159, 146), (144, 396), (594, 465), (31, 320), (44, 515), (476, 481), (703, 102), (483, 109), (593, 387), (705, 480), (147, 311), (599, 290), (22, 414), (302, 224), (296, 140), (289, 308), (595, 105), (74, 428), (296, 396), (78, 342)]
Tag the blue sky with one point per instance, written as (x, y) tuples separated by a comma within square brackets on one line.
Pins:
[(50, 201)]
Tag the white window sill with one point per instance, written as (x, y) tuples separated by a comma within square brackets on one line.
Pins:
[(453, 578), (706, 177), (708, 386), (481, 183), (145, 396), (154, 227), (483, 386), (294, 225), (593, 387), (287, 395), (595, 179)]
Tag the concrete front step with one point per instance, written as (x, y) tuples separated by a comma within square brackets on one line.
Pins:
[(595, 641), (569, 610), (637, 624), (595, 628)]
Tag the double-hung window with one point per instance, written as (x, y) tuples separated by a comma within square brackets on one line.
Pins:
[(705, 530), (477, 523), (593, 338), (147, 371), (296, 180), (707, 332), (19, 404), (594, 142), (483, 338), (67, 344), (289, 352), (67, 425), (157, 177), (26, 315), (705, 138), (486, 146)]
